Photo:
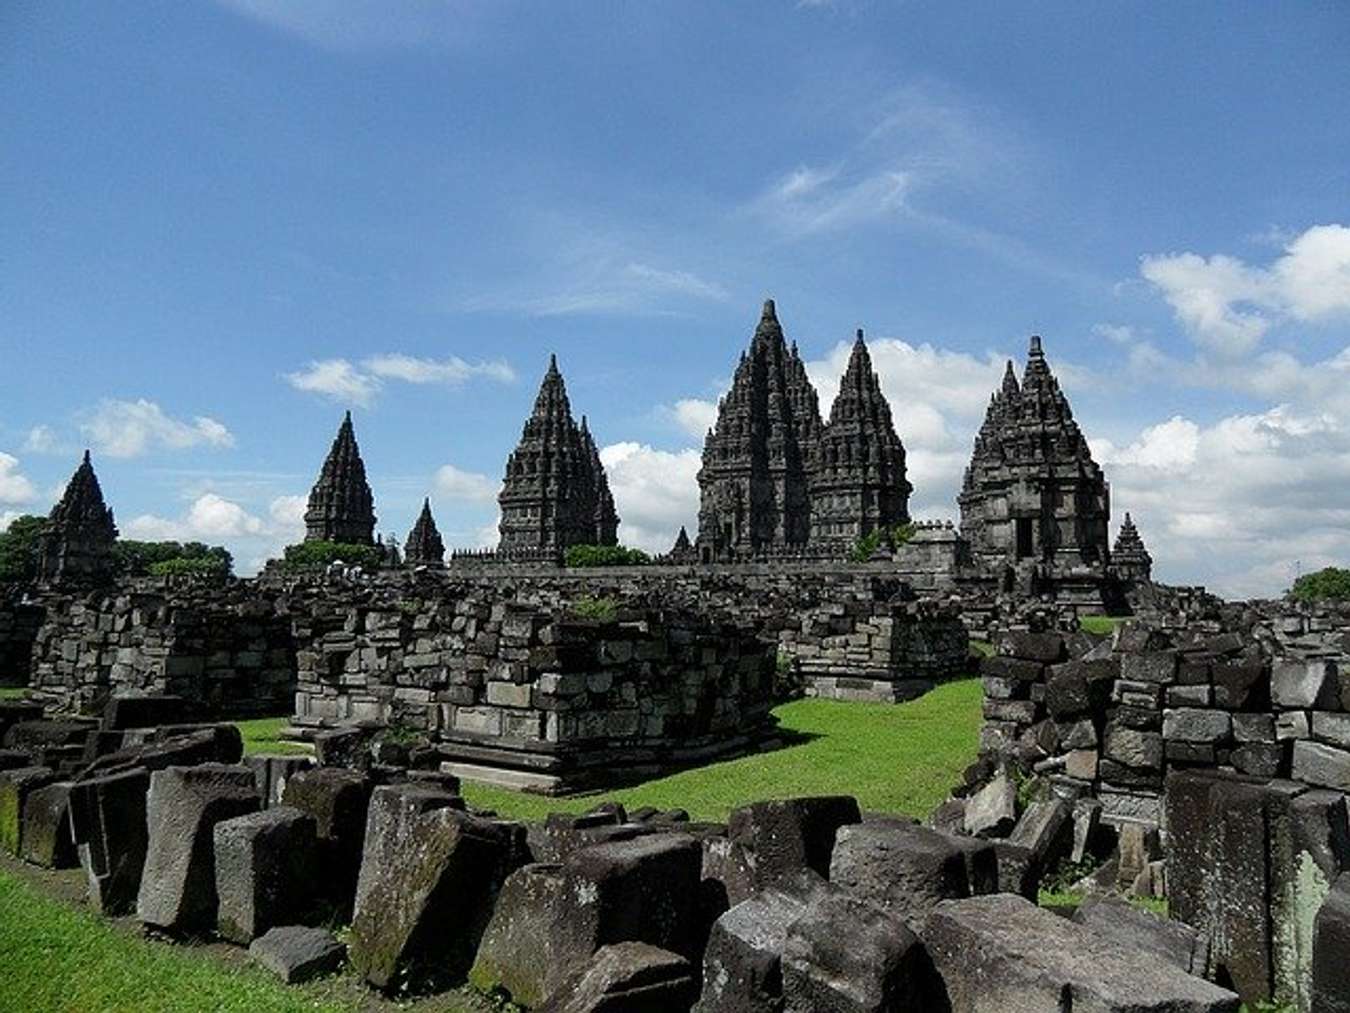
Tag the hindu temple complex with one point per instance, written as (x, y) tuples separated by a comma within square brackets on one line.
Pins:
[(341, 507)]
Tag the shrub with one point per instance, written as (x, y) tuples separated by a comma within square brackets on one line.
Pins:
[(601, 609), (313, 555), (136, 559), (604, 555), (1330, 584), (865, 546), (18, 548)]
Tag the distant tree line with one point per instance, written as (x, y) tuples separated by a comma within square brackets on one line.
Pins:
[(1329, 584), (19, 555)]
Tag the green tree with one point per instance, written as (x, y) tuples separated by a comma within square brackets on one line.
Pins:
[(317, 554), (18, 548), (136, 559), (1330, 584), (604, 555)]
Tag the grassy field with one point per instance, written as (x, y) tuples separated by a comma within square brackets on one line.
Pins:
[(899, 758), (262, 735), (13, 692), (1101, 625)]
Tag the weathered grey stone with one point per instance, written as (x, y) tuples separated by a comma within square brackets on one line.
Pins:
[(1046, 648), (272, 772), (1019, 871), (1079, 687), (1331, 943), (992, 811), (1253, 728), (16, 786), (46, 838), (1241, 685), (1046, 829), (178, 885), (1158, 667), (1130, 928), (628, 978), (108, 823), (1322, 765), (429, 876), (1331, 727), (1086, 818), (146, 711), (901, 868), (1304, 683), (551, 919), (1188, 724), (1259, 759), (1292, 725), (742, 964), (1133, 748), (1004, 953), (338, 800), (1137, 846), (297, 953), (784, 837), (264, 872), (846, 956)]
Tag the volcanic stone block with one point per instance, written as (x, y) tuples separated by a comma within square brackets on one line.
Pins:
[(786, 836), (344, 747), (272, 772), (1005, 953), (46, 839), (15, 787), (338, 800), (1304, 684), (12, 712), (146, 711), (1322, 765), (992, 811), (901, 868), (1241, 685), (1013, 669), (34, 736), (1331, 943), (1046, 648), (178, 886), (551, 919), (846, 956), (1188, 724), (107, 819), (1159, 667), (180, 747), (429, 876), (1131, 928), (296, 953), (1133, 748), (1079, 687), (1019, 871), (1046, 829), (742, 965), (1259, 759), (264, 872), (628, 978)]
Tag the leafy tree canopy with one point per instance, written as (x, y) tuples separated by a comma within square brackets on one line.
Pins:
[(18, 548), (309, 555), (604, 555), (1330, 584), (137, 559)]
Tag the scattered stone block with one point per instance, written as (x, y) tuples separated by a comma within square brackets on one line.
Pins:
[(846, 956), (1130, 928), (992, 811), (122, 712), (783, 837), (1241, 685), (1259, 759), (1046, 830), (271, 773), (344, 747), (338, 800), (901, 868), (628, 978), (1331, 944), (1005, 953), (1019, 871), (1045, 648), (178, 885), (1319, 764), (297, 953), (1157, 667), (107, 819), (1189, 724), (264, 872), (46, 839), (15, 787), (429, 876), (1304, 683)]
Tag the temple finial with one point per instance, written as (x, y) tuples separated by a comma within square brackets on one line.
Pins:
[(770, 312), (1035, 351)]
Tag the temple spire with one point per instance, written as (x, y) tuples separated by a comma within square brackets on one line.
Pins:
[(424, 545), (341, 507), (77, 542)]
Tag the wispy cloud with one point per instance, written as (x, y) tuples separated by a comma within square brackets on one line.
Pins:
[(361, 25), (14, 486), (132, 428), (454, 483), (350, 383), (602, 283)]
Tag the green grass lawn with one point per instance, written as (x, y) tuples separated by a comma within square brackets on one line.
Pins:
[(901, 758), (13, 692), (1101, 625), (261, 735)]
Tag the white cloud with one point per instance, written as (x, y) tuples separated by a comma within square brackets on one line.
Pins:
[(596, 277), (337, 379), (14, 486), (41, 439), (453, 370), (455, 483), (1228, 305), (655, 491), (132, 428), (694, 415), (208, 517), (7, 518), (809, 200), (288, 514), (346, 383)]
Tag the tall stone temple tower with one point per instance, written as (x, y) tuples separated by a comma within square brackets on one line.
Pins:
[(77, 543), (1130, 559), (1032, 493), (341, 507), (754, 486), (424, 546), (858, 482), (555, 493)]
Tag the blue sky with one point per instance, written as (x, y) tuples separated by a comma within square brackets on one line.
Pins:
[(224, 223)]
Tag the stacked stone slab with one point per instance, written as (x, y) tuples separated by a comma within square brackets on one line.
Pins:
[(1032, 495), (76, 545), (555, 493), (341, 507)]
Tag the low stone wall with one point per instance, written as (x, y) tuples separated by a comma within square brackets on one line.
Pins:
[(19, 624), (220, 645)]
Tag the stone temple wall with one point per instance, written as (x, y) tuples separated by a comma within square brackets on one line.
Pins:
[(224, 647), (19, 624), (1259, 689)]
